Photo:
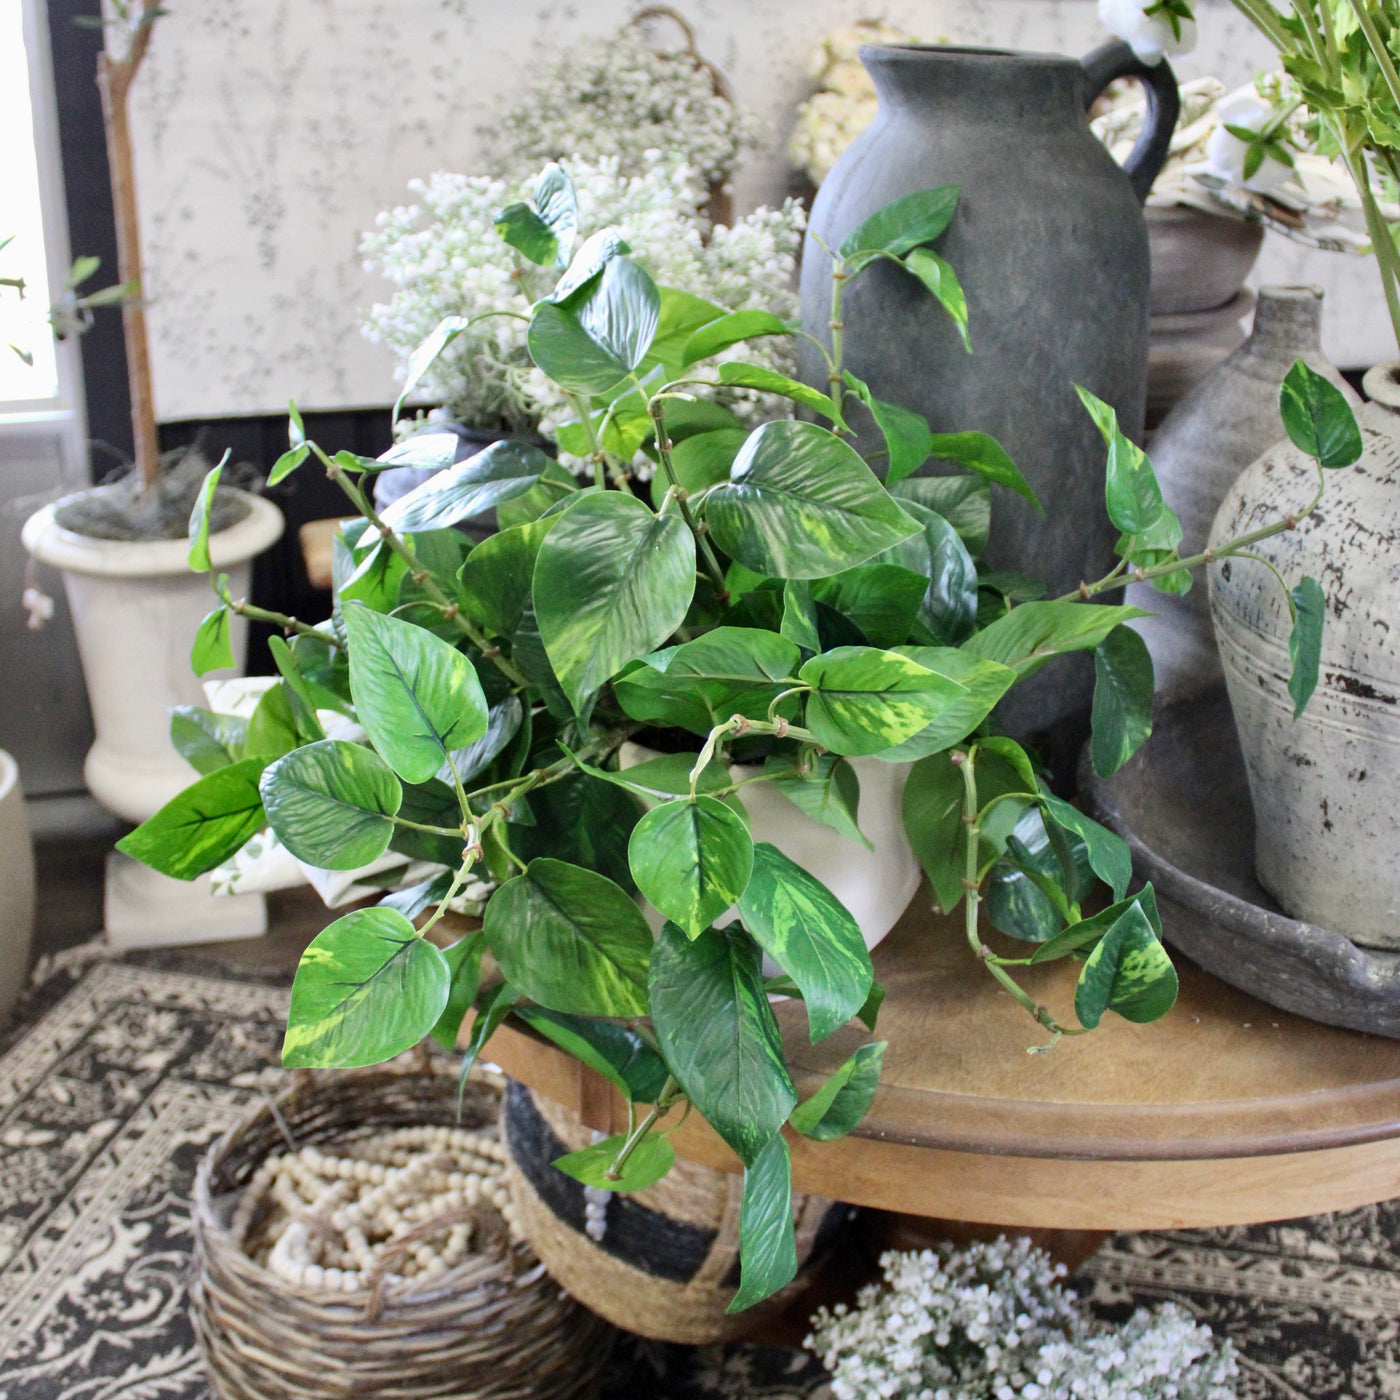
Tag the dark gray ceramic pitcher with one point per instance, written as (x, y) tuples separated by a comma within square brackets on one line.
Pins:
[(1051, 249)]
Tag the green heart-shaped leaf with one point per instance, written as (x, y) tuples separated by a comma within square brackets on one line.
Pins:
[(938, 277), (597, 341), (213, 644), (800, 503), (984, 682), (1317, 417), (716, 1030), (1087, 932), (767, 1241), (828, 791), (202, 826), (367, 988), (840, 1104), (593, 255), (618, 1054), (647, 1163), (205, 740), (330, 804), (418, 697), (908, 440), (865, 700), (1030, 634), (421, 360), (463, 961), (768, 381), (1109, 855), (1123, 686), (199, 519), (571, 940), (497, 473), (1128, 972), (612, 580), (692, 860), (965, 502), (718, 335), (811, 935), (1309, 607), (903, 223), (933, 812), (1131, 492), (729, 671)]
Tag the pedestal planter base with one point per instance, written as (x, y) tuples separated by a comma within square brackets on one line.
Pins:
[(144, 909), (16, 886)]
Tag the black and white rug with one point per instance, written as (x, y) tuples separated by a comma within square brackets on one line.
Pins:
[(120, 1073)]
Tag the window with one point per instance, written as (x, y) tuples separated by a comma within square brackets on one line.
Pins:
[(31, 217)]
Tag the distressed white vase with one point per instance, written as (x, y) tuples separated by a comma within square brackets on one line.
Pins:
[(1216, 430), (1327, 823), (875, 885), (136, 606)]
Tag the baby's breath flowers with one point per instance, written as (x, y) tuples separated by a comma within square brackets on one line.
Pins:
[(993, 1322), (446, 258), (619, 96)]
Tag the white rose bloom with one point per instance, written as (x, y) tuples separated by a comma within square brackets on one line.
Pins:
[(1151, 37), (1226, 153)]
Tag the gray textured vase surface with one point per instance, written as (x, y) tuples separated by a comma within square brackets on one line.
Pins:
[(1217, 429), (1182, 805), (1051, 249), (1327, 822)]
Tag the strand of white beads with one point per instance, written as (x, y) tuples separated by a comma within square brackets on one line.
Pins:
[(330, 1218)]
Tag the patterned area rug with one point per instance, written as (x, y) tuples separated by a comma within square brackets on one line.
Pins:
[(119, 1074)]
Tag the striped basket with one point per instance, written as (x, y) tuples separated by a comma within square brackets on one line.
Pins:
[(667, 1264)]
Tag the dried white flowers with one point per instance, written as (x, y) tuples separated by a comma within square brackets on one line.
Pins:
[(993, 1322)]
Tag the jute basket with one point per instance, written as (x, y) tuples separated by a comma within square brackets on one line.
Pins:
[(494, 1327), (667, 1265)]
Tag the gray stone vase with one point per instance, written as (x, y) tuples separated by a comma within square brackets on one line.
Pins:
[(1050, 247), (1217, 429)]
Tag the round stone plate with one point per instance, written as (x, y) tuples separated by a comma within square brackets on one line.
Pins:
[(1182, 804)]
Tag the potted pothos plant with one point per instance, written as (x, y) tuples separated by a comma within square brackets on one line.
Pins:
[(767, 598)]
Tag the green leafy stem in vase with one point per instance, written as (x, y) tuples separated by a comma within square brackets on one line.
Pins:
[(764, 610)]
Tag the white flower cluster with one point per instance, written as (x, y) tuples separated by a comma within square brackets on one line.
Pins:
[(993, 1322), (618, 96), (447, 259), (844, 103)]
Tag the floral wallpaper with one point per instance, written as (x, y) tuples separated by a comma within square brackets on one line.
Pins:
[(271, 132)]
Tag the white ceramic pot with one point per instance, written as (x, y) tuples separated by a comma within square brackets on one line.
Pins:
[(16, 886), (136, 607), (875, 885), (1327, 826)]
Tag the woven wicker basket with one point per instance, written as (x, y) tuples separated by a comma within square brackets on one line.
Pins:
[(668, 1263), (495, 1327)]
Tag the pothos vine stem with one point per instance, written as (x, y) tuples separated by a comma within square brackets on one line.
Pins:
[(657, 408), (965, 761), (450, 609)]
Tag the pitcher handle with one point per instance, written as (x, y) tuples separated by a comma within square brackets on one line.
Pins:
[(1149, 154)]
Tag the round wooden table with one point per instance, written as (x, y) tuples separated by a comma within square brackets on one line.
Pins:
[(1224, 1112)]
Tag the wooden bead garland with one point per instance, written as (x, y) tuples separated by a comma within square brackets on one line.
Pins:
[(382, 1209)]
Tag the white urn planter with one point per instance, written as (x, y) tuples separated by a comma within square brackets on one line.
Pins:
[(16, 886), (875, 885), (136, 607), (1327, 827)]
